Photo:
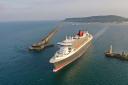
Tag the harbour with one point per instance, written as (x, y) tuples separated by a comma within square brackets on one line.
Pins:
[(44, 43), (19, 66)]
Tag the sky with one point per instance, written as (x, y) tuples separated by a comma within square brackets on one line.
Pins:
[(16, 10)]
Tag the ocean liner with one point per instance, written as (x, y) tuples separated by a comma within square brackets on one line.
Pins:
[(71, 49)]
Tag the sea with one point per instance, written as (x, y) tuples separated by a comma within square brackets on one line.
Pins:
[(19, 66)]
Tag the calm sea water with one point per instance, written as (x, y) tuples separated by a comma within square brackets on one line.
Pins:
[(18, 66)]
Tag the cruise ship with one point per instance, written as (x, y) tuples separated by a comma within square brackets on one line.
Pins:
[(71, 49)]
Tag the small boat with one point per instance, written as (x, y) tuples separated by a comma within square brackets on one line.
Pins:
[(111, 54)]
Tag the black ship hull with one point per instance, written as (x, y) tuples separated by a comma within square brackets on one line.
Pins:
[(116, 55)]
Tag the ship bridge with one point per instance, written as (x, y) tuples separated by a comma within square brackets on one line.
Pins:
[(67, 42)]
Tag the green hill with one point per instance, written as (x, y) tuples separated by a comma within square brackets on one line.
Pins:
[(101, 19)]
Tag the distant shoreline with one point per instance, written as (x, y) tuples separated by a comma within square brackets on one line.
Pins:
[(98, 19)]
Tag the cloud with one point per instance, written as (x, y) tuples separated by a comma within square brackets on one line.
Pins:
[(59, 9)]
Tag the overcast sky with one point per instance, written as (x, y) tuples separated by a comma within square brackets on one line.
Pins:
[(59, 9)]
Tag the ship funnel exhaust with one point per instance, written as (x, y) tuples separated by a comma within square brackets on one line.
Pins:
[(100, 33)]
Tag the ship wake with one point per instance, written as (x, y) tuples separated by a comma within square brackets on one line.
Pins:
[(101, 32)]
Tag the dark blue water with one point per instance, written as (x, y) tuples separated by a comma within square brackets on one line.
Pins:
[(18, 66)]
